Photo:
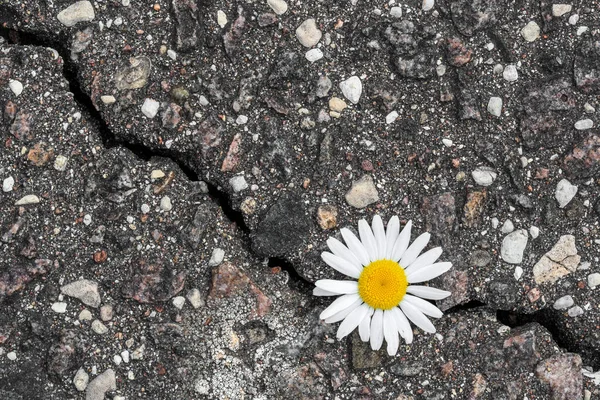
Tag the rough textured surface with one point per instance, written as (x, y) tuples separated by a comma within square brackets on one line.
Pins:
[(138, 137)]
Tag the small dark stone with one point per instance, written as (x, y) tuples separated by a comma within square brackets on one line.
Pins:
[(284, 228), (403, 369), (480, 258), (363, 356), (187, 27), (470, 16)]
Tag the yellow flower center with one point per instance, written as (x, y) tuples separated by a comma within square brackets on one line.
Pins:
[(382, 284)]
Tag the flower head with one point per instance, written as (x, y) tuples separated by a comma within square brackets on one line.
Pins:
[(383, 296)]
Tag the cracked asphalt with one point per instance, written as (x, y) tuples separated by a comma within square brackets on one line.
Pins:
[(172, 170)]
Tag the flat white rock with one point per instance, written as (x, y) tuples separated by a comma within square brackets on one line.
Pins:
[(82, 11), (510, 73), (558, 10), (150, 108), (84, 290), (565, 191), (584, 124), (352, 88), (513, 246), (278, 6), (484, 176), (531, 31)]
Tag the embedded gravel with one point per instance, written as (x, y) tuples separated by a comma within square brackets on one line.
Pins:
[(171, 172)]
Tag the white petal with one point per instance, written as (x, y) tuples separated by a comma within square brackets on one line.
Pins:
[(429, 272), (340, 265), (415, 249), (390, 331), (320, 292), (367, 239), (426, 292), (417, 317), (425, 259), (340, 250), (377, 330), (344, 313), (352, 321), (391, 234), (338, 287), (339, 304), (380, 239), (355, 245), (364, 329), (424, 306), (402, 242), (403, 325)]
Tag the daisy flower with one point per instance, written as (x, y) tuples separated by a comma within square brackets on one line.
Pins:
[(382, 297)]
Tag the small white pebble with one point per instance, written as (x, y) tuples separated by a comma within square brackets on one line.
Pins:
[(172, 54), (12, 356), (518, 273), (574, 19), (15, 86), (145, 208), (165, 204), (314, 55), (534, 231), (221, 19), (391, 117), (447, 142), (8, 184), (396, 12), (179, 302), (428, 5), (59, 307), (584, 124)]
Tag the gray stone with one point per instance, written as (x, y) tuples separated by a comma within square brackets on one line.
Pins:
[(217, 257), (150, 108), (99, 327), (558, 10), (531, 31), (507, 227), (495, 106), (575, 311), (278, 6), (84, 290), (510, 73), (195, 298), (352, 89), (513, 246), (593, 280), (103, 383), (238, 183), (584, 124), (28, 199), (362, 193), (82, 11), (565, 191), (563, 302), (15, 86), (81, 380), (308, 34), (484, 176)]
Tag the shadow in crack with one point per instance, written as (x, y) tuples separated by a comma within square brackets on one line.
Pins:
[(560, 332)]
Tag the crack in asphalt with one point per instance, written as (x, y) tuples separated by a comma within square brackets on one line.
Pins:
[(143, 152), (296, 282)]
